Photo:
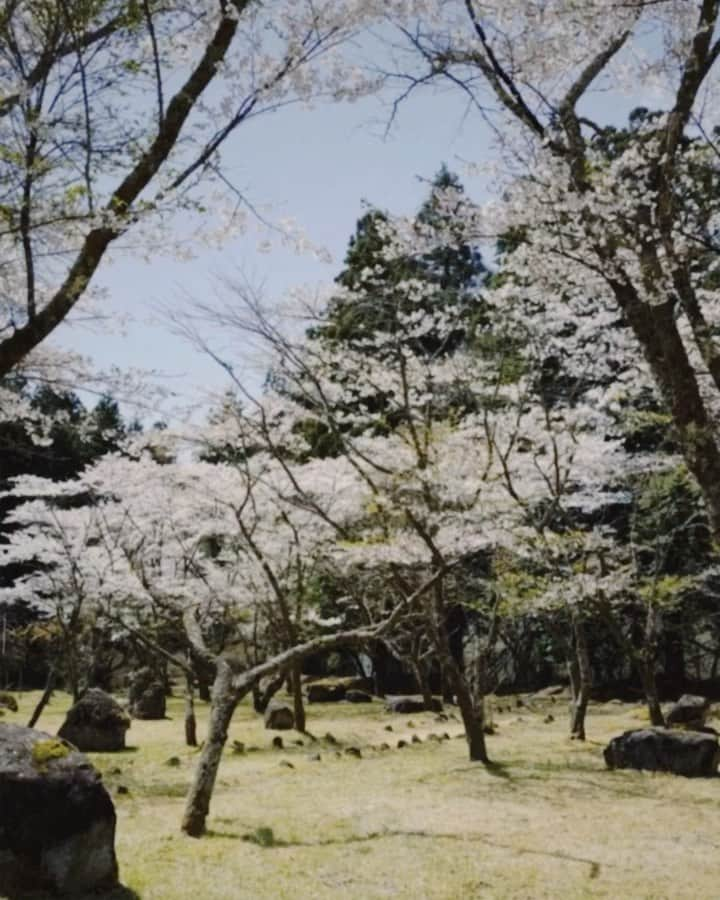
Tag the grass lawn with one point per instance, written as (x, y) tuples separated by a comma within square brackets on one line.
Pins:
[(418, 822)]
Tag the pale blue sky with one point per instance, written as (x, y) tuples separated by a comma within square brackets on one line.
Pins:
[(315, 165)]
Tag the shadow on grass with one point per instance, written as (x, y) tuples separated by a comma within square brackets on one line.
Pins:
[(264, 837)]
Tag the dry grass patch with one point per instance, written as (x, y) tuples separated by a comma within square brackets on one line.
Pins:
[(420, 822)]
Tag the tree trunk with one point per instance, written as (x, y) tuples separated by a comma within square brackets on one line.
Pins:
[(190, 722), (649, 683), (423, 682), (674, 652), (298, 704), (656, 329), (473, 717), (225, 700), (580, 678), (44, 700)]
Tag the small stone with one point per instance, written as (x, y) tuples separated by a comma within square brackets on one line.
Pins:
[(277, 742), (384, 747), (299, 743), (445, 736), (122, 789), (287, 764), (388, 728), (433, 737), (353, 751), (416, 739), (401, 744), (488, 729), (279, 717), (548, 719), (410, 723), (441, 717), (173, 761), (330, 739), (116, 770), (238, 747)]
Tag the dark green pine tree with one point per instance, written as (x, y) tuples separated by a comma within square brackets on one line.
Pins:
[(379, 304), (455, 269)]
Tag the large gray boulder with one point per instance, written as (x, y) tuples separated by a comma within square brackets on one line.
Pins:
[(96, 723), (690, 753), (690, 710), (326, 692), (410, 704), (57, 821), (146, 695), (279, 717)]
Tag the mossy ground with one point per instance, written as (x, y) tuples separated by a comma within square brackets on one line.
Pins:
[(422, 822)]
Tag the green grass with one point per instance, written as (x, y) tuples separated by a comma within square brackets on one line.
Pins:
[(420, 822)]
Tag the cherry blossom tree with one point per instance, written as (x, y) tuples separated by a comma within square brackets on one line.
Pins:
[(112, 118), (624, 225)]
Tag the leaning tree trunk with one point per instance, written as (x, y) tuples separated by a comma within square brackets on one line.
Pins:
[(225, 700), (190, 721), (298, 704), (580, 678), (656, 329), (44, 699)]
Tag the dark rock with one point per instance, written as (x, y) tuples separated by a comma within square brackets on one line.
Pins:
[(330, 739), (279, 717), (287, 764), (354, 696), (388, 728), (688, 753), (401, 744), (173, 762), (57, 821), (299, 742), (442, 717), (384, 746), (96, 723), (410, 705), (690, 710), (326, 692), (353, 751), (433, 737), (416, 739), (122, 789), (548, 719), (238, 747), (146, 695), (277, 742), (7, 701)]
